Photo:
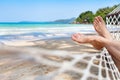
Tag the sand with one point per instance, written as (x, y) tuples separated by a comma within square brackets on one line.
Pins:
[(21, 60), (65, 44)]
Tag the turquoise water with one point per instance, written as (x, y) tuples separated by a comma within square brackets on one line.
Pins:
[(9, 31), (20, 25)]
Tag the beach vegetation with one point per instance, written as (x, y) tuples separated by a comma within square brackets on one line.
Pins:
[(87, 17)]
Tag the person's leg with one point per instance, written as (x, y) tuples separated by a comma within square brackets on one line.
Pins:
[(113, 48), (96, 41), (100, 27), (111, 45), (104, 40)]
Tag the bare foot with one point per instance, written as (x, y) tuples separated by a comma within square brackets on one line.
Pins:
[(100, 27), (80, 38), (96, 41)]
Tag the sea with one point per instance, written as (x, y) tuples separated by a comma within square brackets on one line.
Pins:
[(20, 31)]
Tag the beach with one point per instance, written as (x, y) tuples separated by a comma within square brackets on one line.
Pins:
[(22, 60), (46, 36), (65, 44), (50, 56), (46, 40)]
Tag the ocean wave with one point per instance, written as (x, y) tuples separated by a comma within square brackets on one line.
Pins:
[(53, 31)]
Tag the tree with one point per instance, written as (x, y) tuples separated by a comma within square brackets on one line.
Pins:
[(85, 17), (88, 16)]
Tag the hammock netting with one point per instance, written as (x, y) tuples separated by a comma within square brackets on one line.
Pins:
[(60, 65)]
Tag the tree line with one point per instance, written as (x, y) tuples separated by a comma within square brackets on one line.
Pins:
[(88, 16)]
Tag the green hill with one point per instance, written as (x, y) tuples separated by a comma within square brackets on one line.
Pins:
[(88, 16)]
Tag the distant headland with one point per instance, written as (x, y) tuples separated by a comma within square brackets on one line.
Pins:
[(59, 21)]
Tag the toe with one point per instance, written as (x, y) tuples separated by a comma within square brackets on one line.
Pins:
[(101, 19), (73, 37), (95, 25), (97, 19)]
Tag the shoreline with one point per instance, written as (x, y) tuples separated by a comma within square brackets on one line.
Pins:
[(60, 43), (28, 40)]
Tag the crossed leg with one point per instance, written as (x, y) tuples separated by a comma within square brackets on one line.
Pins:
[(114, 46), (104, 40), (96, 41), (100, 27)]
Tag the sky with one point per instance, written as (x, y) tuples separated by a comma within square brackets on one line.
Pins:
[(48, 10)]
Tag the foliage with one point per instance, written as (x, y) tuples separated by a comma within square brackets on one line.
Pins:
[(85, 17), (88, 16)]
